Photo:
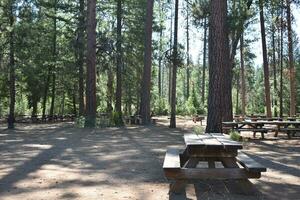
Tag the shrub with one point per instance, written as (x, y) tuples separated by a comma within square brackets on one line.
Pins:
[(79, 122), (234, 135), (199, 130), (117, 119), (161, 107)]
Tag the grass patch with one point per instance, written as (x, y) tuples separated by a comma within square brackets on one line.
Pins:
[(199, 130)]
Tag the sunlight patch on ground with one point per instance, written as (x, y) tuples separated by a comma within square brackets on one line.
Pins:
[(40, 146)]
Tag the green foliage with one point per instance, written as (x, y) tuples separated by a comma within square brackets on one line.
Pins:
[(117, 119), (193, 107), (234, 135), (199, 130), (161, 107), (79, 122)]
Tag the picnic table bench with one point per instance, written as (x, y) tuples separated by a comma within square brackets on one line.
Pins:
[(290, 127), (208, 157)]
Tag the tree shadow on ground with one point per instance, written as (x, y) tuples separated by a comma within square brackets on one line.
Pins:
[(112, 157)]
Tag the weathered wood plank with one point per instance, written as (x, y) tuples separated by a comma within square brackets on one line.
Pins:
[(194, 151), (211, 142), (191, 163), (229, 162), (227, 142), (172, 159), (250, 164), (193, 139), (210, 174)]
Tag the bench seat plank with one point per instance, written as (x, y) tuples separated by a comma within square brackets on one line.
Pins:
[(250, 164), (172, 159), (210, 174)]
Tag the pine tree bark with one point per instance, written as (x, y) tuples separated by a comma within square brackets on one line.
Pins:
[(218, 65), (291, 61), (53, 89), (237, 108), (187, 51), (80, 59), (146, 80), (274, 67), (265, 59), (12, 76), (91, 65), (46, 89), (281, 62), (118, 106), (160, 71), (243, 87), (110, 78), (204, 60), (174, 69)]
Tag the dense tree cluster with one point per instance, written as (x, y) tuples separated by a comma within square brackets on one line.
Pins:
[(124, 57)]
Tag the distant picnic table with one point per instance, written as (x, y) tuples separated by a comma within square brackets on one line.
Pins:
[(217, 156), (290, 127)]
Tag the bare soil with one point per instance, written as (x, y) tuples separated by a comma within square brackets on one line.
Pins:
[(59, 161)]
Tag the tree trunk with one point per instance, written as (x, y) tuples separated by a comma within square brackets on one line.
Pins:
[(54, 61), (91, 65), (291, 61), (187, 51), (237, 110), (243, 77), (74, 105), (34, 107), (12, 78), (46, 89), (281, 62), (146, 80), (118, 106), (174, 69), (265, 59), (170, 65), (204, 60), (218, 65), (160, 64), (80, 60), (274, 67), (110, 88)]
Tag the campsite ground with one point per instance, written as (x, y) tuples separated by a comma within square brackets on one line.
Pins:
[(58, 161)]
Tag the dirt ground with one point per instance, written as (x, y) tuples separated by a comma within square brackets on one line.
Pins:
[(58, 161)]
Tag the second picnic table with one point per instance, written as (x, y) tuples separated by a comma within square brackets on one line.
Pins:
[(289, 127), (223, 162)]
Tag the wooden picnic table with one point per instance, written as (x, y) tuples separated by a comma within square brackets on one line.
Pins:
[(290, 127), (208, 157)]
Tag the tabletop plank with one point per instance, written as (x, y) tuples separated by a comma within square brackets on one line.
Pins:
[(227, 142), (193, 139), (211, 140)]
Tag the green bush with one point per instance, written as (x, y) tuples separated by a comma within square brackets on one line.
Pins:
[(79, 122), (234, 135), (199, 130), (161, 107), (117, 119)]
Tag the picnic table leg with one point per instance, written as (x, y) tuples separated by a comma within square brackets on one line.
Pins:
[(276, 131), (177, 187), (263, 135), (289, 134)]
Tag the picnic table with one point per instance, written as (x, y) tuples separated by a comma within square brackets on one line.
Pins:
[(290, 127), (208, 157), (198, 118)]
